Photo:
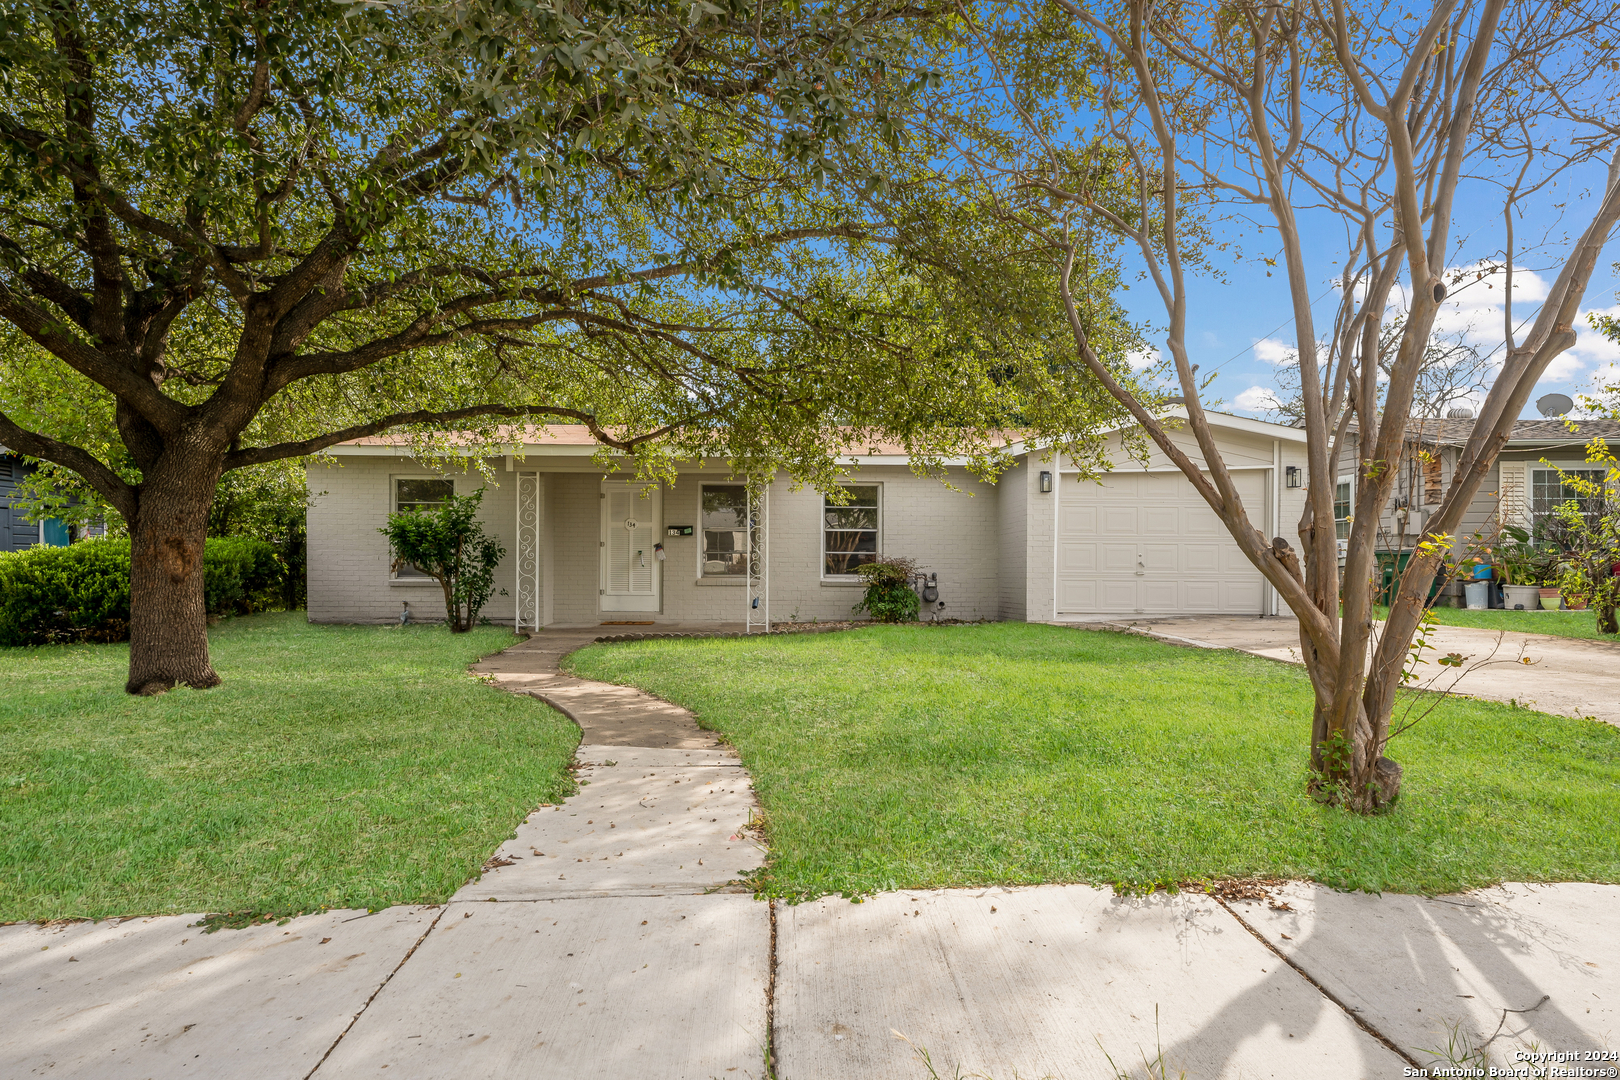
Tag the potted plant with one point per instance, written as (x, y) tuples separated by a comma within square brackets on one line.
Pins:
[(1516, 565)]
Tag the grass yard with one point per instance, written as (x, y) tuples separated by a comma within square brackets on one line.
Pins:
[(1568, 624), (909, 757), (341, 766)]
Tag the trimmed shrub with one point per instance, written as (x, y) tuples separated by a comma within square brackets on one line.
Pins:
[(889, 596), (50, 595)]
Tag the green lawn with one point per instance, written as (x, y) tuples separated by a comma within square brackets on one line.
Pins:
[(340, 766), (1570, 624), (907, 757)]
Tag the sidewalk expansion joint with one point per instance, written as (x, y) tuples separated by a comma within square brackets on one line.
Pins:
[(1355, 1017), (770, 1000), (388, 979)]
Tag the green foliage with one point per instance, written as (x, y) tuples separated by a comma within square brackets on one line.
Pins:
[(449, 543), (338, 766), (889, 597), (81, 593), (668, 218)]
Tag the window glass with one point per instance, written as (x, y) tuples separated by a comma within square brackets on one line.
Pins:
[(1341, 510), (850, 531), (419, 494), (1548, 492), (422, 494), (725, 530)]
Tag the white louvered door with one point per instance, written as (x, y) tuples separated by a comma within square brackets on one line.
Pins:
[(632, 522)]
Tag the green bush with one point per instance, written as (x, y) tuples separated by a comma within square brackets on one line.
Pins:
[(81, 593), (889, 597), (450, 544)]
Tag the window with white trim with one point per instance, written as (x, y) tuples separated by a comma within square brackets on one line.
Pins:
[(1343, 505), (1549, 490), (418, 493), (849, 534), (725, 530)]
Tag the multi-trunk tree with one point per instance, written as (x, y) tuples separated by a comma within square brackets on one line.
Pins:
[(237, 234), (1412, 138)]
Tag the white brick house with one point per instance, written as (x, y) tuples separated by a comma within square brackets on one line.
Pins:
[(584, 549)]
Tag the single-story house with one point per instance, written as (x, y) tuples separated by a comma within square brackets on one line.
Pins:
[(1040, 544), (1522, 487)]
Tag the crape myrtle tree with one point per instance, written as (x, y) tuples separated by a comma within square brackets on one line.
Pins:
[(1415, 136), (236, 234)]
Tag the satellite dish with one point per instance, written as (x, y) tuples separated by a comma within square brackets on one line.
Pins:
[(1552, 405), (1459, 412)]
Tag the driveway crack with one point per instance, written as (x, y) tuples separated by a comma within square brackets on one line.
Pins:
[(1354, 1016), (389, 978)]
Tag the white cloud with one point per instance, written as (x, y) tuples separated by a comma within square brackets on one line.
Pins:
[(1256, 399), (1273, 351), (1141, 361)]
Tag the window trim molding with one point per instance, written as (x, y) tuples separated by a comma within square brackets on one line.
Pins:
[(1531, 515), (699, 529), (393, 507), (821, 532)]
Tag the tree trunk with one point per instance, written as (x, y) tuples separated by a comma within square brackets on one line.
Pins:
[(168, 620)]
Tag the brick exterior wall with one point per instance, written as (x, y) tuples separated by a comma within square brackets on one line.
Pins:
[(348, 558)]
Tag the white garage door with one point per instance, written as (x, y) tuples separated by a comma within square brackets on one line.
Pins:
[(1147, 543)]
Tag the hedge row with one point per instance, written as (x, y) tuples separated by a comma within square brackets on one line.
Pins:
[(81, 592)]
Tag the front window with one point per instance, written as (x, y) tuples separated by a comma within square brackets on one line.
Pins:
[(419, 494), (725, 530), (850, 531), (1341, 510), (1549, 491)]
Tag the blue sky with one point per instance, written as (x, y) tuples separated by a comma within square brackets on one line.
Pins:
[(1242, 327)]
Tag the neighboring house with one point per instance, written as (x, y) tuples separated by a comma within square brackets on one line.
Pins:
[(17, 531), (1522, 487), (582, 548)]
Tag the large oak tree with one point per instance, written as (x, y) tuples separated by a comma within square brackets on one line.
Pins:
[(235, 234)]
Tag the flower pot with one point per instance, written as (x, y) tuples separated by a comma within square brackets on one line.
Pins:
[(1482, 572), (1479, 595), (1527, 597), (1550, 599)]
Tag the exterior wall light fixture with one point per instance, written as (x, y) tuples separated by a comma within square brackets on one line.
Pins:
[(1291, 476), (1046, 483)]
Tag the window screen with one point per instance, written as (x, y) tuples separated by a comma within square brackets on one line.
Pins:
[(422, 494), (725, 530), (850, 531), (419, 495)]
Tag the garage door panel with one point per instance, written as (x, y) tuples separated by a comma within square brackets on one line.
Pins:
[(1156, 522), (1161, 560), (1161, 594), (1119, 521), (1078, 594), (1118, 558), (1202, 597), (1077, 558), (1078, 520), (1161, 521), (1201, 558), (1118, 595)]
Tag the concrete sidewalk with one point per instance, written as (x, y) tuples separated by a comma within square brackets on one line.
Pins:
[(607, 939), (1565, 676)]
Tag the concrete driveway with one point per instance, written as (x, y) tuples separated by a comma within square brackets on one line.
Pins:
[(1564, 676)]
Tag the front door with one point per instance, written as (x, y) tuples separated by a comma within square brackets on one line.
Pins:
[(632, 520)]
